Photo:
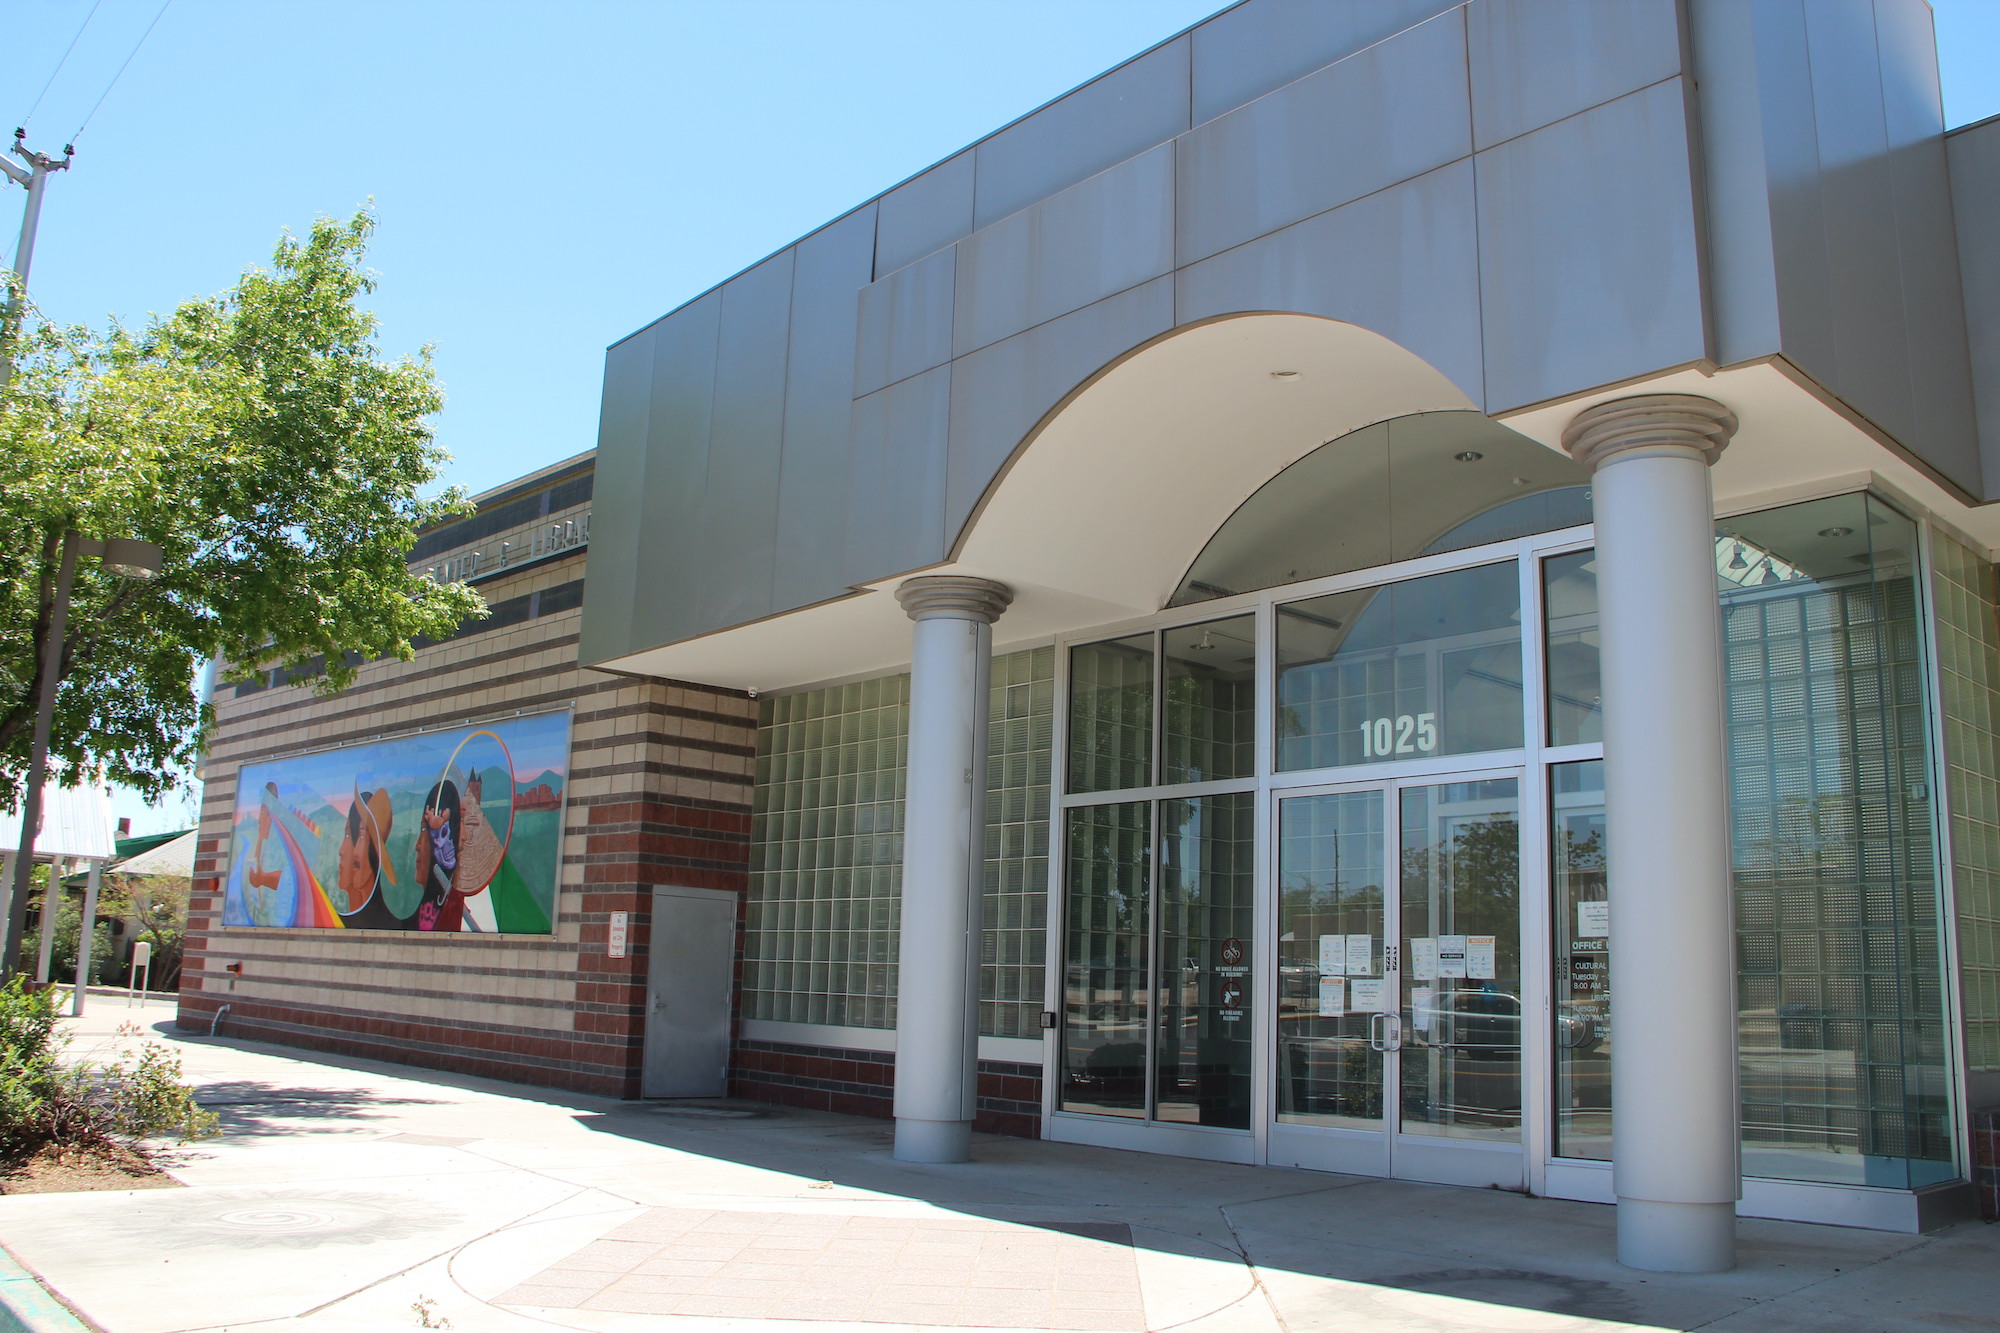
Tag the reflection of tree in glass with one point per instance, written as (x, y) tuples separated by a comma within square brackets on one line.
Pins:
[(1111, 717), (1207, 720), (1479, 865), (1580, 855)]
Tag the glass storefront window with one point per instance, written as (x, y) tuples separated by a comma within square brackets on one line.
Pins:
[(1333, 900), (1111, 714), (1204, 977), (1844, 1068), (1108, 925), (1581, 918), (1209, 713), (1412, 670), (1569, 609), (1459, 887), (1158, 967), (1837, 910)]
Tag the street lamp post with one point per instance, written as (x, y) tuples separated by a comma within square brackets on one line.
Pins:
[(123, 556)]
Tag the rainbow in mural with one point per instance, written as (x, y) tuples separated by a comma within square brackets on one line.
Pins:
[(457, 830)]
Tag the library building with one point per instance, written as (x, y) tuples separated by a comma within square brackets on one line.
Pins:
[(1391, 587)]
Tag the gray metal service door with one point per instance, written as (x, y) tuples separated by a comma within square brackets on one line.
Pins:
[(692, 957)]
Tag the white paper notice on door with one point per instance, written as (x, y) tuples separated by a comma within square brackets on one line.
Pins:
[(1367, 995), (1333, 955), (1332, 996), (1360, 955), (1423, 959), (1451, 956), (1593, 921), (1420, 1007), (1479, 957)]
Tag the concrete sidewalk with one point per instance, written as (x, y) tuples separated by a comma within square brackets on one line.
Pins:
[(352, 1195)]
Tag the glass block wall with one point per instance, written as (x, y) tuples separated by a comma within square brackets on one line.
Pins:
[(1844, 1058), (827, 848), (826, 855), (1968, 639), (1020, 744)]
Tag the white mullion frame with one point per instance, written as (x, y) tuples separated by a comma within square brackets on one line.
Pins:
[(1264, 1063), (1155, 841), (1537, 859), (1055, 941), (1531, 762), (1536, 886), (1393, 817), (1263, 889), (1950, 980), (1178, 791)]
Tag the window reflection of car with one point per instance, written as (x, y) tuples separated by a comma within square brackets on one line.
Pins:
[(1113, 1074), (1298, 981), (1480, 1025), (1473, 1071)]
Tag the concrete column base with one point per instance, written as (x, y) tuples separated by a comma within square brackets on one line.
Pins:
[(1676, 1237), (934, 1141)]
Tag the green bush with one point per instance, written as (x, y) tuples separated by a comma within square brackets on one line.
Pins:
[(62, 957), (47, 1101), (69, 926)]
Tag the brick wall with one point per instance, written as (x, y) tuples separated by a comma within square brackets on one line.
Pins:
[(658, 793), (853, 1082)]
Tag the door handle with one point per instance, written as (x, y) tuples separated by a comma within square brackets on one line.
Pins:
[(1385, 1032)]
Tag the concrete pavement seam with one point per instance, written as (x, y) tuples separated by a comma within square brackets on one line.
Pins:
[(1256, 1273), (26, 1306), (1758, 1302), (445, 1254)]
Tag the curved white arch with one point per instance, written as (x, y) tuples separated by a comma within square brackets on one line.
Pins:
[(1103, 506), (1114, 495)]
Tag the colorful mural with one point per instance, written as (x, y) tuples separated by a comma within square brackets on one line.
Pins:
[(455, 830)]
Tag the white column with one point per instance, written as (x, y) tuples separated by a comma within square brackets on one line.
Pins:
[(87, 941), (944, 835), (1677, 1172), (52, 898)]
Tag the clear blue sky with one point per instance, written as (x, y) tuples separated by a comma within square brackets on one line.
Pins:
[(548, 176)]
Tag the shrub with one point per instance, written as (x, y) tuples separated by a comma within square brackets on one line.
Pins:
[(46, 1101), (69, 929)]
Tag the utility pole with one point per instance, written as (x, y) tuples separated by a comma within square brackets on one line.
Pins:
[(32, 178)]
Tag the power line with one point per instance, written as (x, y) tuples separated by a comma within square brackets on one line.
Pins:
[(60, 63), (121, 70)]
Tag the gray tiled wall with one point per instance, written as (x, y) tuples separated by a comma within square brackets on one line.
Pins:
[(1507, 188)]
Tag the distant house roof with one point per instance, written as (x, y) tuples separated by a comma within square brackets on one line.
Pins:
[(173, 856), (145, 842)]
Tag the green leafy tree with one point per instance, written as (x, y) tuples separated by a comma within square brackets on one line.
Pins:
[(69, 940), (260, 438), (159, 905)]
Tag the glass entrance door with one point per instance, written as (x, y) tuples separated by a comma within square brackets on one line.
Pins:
[(1398, 1022)]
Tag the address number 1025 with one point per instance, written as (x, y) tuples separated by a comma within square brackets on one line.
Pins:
[(1387, 736)]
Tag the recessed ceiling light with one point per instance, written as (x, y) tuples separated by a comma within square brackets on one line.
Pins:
[(1469, 456), (1836, 532), (1520, 481), (1284, 374)]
